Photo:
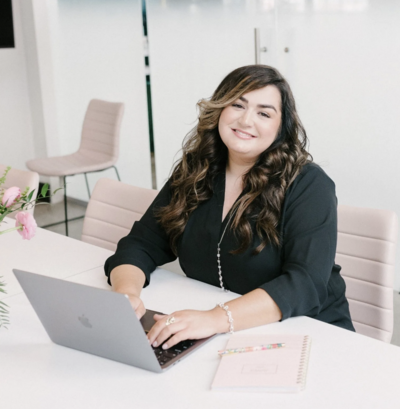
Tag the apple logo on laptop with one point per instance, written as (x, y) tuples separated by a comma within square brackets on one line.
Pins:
[(85, 321)]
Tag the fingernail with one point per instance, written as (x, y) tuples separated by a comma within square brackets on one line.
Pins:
[(165, 346), (148, 341), (155, 344)]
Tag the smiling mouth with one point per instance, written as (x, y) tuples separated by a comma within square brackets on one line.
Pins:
[(242, 134)]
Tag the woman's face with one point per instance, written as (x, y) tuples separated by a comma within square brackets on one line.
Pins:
[(250, 125)]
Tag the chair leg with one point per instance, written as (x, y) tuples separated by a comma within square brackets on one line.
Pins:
[(65, 207), (116, 171), (87, 184)]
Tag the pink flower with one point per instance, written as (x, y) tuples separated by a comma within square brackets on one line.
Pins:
[(28, 224), (10, 196)]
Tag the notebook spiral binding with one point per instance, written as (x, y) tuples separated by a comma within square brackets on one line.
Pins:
[(303, 367)]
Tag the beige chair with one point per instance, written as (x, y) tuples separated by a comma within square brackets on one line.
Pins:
[(112, 210), (99, 148), (366, 251), (21, 179)]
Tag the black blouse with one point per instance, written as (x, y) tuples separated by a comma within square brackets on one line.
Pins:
[(300, 275)]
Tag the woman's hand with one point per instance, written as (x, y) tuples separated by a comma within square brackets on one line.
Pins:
[(187, 324), (137, 305), (129, 280)]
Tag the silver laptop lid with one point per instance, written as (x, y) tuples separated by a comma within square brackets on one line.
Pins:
[(89, 319)]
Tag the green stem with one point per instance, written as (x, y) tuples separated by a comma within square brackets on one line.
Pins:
[(12, 229)]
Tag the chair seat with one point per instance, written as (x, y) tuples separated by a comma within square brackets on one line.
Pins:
[(68, 165)]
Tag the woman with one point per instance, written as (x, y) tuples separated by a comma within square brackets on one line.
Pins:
[(245, 209)]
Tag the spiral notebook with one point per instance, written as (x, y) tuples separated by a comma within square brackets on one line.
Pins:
[(273, 370)]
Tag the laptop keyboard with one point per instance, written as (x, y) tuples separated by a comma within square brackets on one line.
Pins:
[(165, 355)]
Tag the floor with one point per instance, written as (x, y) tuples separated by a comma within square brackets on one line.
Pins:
[(47, 214)]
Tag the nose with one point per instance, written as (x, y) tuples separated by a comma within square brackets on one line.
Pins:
[(246, 118)]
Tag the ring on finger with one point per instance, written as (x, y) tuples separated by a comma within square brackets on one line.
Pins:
[(170, 320)]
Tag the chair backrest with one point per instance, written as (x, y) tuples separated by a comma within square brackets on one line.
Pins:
[(101, 129), (22, 179), (112, 209), (366, 251)]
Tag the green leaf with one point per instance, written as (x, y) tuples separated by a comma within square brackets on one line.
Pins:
[(45, 188), (30, 196)]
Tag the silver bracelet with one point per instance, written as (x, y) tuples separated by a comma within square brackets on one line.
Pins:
[(229, 314)]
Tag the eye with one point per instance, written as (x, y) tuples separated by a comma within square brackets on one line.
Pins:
[(236, 105), (264, 114)]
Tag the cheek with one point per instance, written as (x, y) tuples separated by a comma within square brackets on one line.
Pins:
[(224, 120), (271, 132)]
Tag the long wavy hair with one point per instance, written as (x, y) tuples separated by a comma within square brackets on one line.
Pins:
[(205, 155)]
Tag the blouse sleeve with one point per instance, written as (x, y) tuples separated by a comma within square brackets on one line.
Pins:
[(309, 236), (147, 244)]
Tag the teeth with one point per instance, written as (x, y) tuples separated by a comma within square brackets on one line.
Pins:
[(246, 135)]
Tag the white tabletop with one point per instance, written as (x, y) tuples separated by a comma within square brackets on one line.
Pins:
[(346, 370), (47, 253)]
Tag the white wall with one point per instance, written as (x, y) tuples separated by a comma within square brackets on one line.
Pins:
[(36, 18), (99, 54), (16, 133)]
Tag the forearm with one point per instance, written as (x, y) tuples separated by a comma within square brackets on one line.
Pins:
[(127, 279), (250, 310)]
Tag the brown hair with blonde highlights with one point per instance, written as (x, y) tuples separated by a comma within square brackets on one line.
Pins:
[(205, 155)]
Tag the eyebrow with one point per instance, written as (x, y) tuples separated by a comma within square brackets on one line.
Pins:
[(259, 105)]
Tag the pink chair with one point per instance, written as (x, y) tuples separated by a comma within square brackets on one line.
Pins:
[(111, 212), (366, 251), (99, 148), (22, 179)]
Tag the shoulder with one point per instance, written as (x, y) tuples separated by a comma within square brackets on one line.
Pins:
[(312, 181), (312, 174)]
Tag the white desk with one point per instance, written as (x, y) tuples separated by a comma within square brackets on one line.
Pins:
[(346, 370), (47, 253)]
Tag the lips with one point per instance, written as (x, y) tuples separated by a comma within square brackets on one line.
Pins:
[(242, 135)]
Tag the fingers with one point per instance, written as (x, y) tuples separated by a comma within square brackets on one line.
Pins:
[(186, 324), (160, 332), (175, 339)]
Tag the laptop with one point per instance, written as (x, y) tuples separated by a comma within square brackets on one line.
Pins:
[(99, 322)]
